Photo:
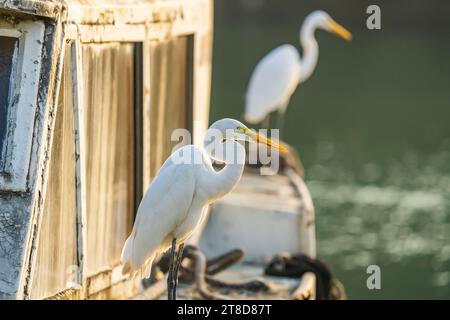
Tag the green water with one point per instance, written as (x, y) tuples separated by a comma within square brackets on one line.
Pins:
[(372, 127)]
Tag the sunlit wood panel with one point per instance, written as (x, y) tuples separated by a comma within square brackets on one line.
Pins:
[(108, 90), (56, 261), (170, 97)]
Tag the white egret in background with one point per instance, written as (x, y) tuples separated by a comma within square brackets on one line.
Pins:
[(177, 200), (277, 75)]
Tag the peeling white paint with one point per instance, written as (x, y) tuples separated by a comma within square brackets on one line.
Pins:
[(22, 110)]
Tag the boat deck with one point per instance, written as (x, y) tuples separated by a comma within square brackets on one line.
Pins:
[(282, 287)]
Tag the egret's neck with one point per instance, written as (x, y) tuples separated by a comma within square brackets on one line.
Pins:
[(310, 50), (219, 183)]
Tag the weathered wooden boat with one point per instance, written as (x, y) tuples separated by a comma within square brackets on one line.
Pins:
[(89, 91)]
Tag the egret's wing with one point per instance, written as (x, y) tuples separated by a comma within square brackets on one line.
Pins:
[(164, 206), (272, 83)]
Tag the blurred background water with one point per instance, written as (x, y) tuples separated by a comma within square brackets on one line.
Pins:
[(372, 126)]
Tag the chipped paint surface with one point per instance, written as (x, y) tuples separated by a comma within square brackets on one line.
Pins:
[(22, 109), (43, 8), (17, 208), (14, 217)]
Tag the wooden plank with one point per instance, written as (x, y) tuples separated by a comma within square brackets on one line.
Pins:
[(146, 112), (111, 284), (80, 149), (40, 159), (42, 8), (56, 258), (109, 131)]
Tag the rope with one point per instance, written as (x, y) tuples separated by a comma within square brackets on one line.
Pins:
[(295, 266)]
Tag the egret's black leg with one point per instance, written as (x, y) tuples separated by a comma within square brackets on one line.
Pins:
[(170, 279), (177, 268)]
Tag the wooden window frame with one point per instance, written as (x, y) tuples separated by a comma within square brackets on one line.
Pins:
[(134, 24), (72, 287), (138, 99), (22, 105), (93, 285)]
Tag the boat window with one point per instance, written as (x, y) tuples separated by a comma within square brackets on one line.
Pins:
[(21, 59), (108, 72), (8, 53), (56, 261), (171, 95)]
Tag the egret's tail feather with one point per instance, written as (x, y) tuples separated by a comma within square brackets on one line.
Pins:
[(127, 249), (146, 268), (125, 257), (137, 261), (126, 269)]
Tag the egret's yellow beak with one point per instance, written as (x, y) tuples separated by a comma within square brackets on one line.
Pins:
[(261, 139), (340, 30)]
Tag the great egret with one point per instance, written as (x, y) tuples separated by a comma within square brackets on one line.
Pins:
[(176, 201), (277, 75)]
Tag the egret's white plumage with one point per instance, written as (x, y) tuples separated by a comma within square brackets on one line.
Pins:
[(277, 75), (273, 81), (177, 199)]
